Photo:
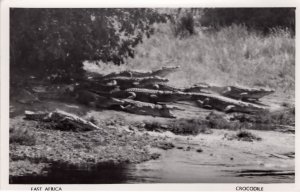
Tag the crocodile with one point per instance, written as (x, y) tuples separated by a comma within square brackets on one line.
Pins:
[(128, 74), (235, 92), (117, 93), (154, 96), (92, 99), (152, 80), (143, 108), (148, 95), (65, 121), (53, 92), (206, 100), (127, 82), (246, 94), (200, 87), (226, 104), (164, 71), (164, 87), (104, 87)]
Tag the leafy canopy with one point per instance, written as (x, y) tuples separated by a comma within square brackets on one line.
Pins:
[(57, 41)]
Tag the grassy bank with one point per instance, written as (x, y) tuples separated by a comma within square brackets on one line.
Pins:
[(233, 55)]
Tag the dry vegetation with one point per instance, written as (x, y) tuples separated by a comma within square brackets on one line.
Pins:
[(234, 55), (243, 135)]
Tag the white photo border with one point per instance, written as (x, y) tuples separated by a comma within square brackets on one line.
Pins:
[(4, 70)]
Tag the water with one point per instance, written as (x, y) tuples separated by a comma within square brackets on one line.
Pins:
[(174, 166), (62, 174)]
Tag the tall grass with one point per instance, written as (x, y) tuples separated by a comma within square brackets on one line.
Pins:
[(232, 56)]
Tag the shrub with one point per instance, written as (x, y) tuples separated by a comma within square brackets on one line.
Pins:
[(199, 150), (153, 126), (216, 121), (243, 135), (247, 136), (190, 127), (184, 26), (185, 21)]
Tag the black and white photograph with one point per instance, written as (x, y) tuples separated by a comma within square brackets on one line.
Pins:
[(187, 95)]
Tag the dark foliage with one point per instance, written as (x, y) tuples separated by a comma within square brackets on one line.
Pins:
[(184, 26), (184, 21), (190, 127), (55, 42), (245, 136), (217, 121), (262, 19)]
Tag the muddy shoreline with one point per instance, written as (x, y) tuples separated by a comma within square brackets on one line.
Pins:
[(127, 142)]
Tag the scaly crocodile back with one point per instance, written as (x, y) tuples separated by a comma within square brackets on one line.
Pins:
[(148, 91), (164, 71)]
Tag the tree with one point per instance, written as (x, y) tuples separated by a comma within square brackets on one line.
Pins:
[(57, 41), (262, 19)]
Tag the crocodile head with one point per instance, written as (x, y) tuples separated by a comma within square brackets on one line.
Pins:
[(261, 93), (170, 67), (115, 101), (164, 71)]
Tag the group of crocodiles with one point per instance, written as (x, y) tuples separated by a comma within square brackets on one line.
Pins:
[(147, 93)]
